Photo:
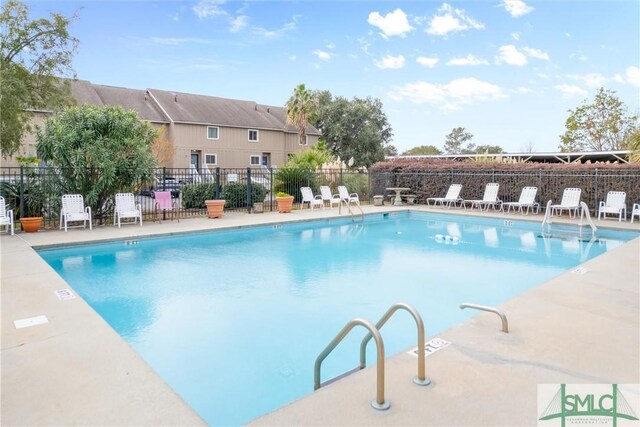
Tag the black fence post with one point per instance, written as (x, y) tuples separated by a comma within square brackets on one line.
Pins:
[(596, 192), (217, 186), (249, 190), (271, 195), (164, 178), (21, 191)]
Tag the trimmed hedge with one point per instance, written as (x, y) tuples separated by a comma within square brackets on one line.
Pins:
[(431, 178)]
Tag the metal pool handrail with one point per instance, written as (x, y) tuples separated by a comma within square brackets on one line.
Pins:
[(378, 403), (503, 317), (421, 379)]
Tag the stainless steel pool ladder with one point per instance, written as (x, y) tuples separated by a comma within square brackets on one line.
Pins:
[(374, 332), (421, 378), (503, 317), (350, 211), (378, 403), (584, 215)]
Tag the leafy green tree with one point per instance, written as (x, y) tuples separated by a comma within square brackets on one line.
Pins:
[(34, 55), (300, 109), (602, 125), (489, 149), (99, 151), (390, 150), (454, 141), (422, 150), (356, 128)]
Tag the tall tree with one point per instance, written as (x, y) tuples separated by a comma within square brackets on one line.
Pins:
[(300, 108), (356, 128), (488, 149), (390, 150), (455, 139), (601, 125), (34, 55), (99, 151), (427, 150)]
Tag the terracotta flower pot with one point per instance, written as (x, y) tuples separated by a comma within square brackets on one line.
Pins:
[(215, 208), (31, 224), (285, 204)]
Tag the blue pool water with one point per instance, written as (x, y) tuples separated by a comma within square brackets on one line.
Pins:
[(234, 320)]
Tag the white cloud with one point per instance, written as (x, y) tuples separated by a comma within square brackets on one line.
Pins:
[(205, 8), (467, 60), (178, 41), (535, 53), (592, 80), (263, 32), (292, 57), (425, 61), (571, 90), (392, 62), (331, 45), (448, 20), (449, 96), (577, 56), (516, 8), (522, 90), (515, 36), (239, 23), (321, 54), (392, 24), (508, 54), (633, 76)]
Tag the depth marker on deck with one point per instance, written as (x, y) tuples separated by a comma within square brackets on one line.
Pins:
[(30, 321), (64, 294), (431, 346)]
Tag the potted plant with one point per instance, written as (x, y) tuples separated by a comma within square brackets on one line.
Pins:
[(284, 201), (31, 217), (215, 208)]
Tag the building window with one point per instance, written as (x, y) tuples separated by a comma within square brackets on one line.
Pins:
[(211, 159), (212, 132), (254, 160), (303, 140), (253, 135)]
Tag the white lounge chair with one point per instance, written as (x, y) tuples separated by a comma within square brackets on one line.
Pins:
[(570, 202), (326, 195), (452, 197), (490, 198), (635, 211), (347, 197), (73, 209), (615, 204), (308, 197), (126, 208), (527, 200), (6, 216)]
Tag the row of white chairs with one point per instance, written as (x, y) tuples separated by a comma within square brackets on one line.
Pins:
[(325, 195), (615, 202)]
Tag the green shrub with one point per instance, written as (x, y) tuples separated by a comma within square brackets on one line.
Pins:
[(357, 183), (236, 194), (194, 195), (290, 179)]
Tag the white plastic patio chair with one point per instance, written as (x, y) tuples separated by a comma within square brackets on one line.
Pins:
[(326, 195), (308, 197), (635, 211), (73, 209), (490, 198), (207, 176), (126, 208), (527, 200), (570, 202), (452, 197), (195, 176), (347, 197), (6, 217), (615, 204)]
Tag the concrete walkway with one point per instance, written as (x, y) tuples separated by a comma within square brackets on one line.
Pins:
[(75, 370)]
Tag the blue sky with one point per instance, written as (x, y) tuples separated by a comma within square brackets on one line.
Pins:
[(506, 70)]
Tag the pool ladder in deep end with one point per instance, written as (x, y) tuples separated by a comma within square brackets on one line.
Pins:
[(379, 402)]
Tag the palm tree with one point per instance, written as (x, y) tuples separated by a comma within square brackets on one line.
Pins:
[(300, 110)]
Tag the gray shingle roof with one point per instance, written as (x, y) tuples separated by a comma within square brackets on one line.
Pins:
[(131, 99), (211, 110), (185, 107)]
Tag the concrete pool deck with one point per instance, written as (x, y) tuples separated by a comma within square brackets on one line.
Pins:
[(576, 328)]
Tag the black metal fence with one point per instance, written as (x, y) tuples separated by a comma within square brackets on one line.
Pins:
[(595, 183), (37, 191)]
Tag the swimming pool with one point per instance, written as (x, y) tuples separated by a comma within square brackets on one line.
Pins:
[(233, 320)]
